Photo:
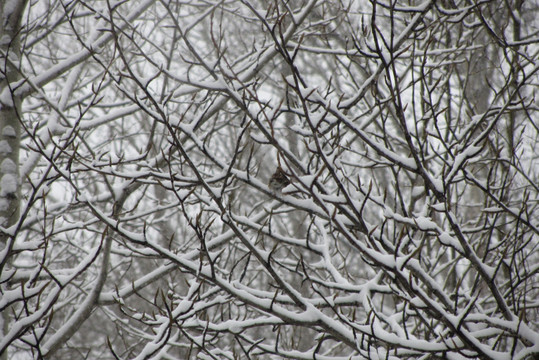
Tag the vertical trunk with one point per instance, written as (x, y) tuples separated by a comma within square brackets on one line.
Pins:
[(10, 133), (9, 112)]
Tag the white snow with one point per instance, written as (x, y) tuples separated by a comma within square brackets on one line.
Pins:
[(438, 207), (8, 167), (448, 240), (5, 39), (6, 99), (8, 184), (425, 223), (9, 131), (5, 148)]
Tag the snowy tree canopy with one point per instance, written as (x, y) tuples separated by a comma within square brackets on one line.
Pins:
[(251, 179)]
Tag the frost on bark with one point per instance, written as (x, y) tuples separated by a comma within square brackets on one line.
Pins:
[(10, 20), (10, 132)]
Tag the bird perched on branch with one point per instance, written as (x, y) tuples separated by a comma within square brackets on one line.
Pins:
[(278, 180)]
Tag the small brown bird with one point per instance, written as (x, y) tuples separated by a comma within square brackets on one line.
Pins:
[(278, 180)]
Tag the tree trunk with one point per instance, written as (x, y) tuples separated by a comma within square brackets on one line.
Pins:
[(10, 132)]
